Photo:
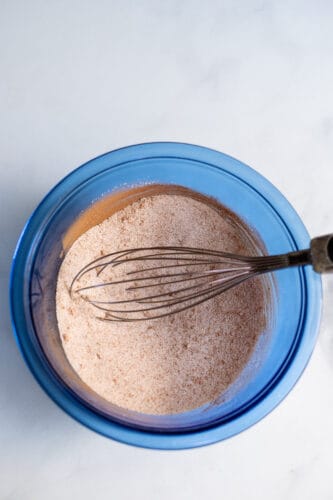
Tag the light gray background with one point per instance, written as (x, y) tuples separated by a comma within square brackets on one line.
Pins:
[(252, 78)]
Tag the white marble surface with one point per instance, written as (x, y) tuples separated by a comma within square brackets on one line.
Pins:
[(252, 78)]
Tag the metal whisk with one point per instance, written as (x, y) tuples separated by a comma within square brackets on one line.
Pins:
[(147, 283)]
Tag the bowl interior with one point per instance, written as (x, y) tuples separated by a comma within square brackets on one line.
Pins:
[(274, 350)]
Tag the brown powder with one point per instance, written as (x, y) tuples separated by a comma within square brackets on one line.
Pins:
[(175, 363)]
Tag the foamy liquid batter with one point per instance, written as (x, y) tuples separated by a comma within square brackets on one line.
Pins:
[(172, 364)]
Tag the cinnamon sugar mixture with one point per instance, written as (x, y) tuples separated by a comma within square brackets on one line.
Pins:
[(171, 364)]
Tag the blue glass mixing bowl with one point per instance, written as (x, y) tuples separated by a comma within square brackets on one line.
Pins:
[(275, 366)]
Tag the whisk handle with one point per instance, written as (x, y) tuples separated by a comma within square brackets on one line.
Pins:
[(321, 250)]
